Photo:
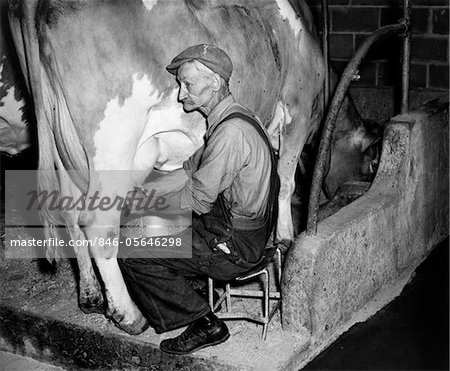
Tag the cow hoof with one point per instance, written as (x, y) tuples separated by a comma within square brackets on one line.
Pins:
[(135, 328), (91, 304), (284, 245), (89, 308)]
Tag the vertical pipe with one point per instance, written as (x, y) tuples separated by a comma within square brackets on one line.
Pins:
[(325, 33), (404, 108)]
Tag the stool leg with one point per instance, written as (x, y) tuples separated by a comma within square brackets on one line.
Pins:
[(228, 297), (278, 264), (210, 293), (266, 303)]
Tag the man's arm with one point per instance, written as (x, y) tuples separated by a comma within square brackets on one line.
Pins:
[(163, 189), (225, 154), (193, 162)]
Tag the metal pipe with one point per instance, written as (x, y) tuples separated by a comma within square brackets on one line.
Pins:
[(406, 57), (325, 33), (347, 76)]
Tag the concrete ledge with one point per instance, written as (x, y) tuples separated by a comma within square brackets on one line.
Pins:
[(55, 341), (378, 240)]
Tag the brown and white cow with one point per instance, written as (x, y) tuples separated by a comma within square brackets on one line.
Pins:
[(104, 101)]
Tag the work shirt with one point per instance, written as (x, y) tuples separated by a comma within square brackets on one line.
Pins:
[(234, 159)]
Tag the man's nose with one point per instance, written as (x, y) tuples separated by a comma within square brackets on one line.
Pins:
[(182, 94)]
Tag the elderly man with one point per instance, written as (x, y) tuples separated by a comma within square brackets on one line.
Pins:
[(232, 178)]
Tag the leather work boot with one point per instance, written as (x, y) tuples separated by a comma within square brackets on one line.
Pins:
[(203, 332)]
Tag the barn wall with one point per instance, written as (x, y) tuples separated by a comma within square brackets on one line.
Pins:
[(352, 20)]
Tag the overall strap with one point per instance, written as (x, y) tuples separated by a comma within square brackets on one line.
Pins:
[(272, 205), (251, 120)]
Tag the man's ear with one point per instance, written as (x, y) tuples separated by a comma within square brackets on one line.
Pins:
[(216, 82)]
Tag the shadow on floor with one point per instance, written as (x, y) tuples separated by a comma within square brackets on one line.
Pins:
[(410, 333)]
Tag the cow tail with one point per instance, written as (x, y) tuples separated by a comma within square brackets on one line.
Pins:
[(22, 21), (48, 182)]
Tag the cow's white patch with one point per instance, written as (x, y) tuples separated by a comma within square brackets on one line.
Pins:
[(274, 128), (287, 114), (285, 227), (116, 292), (13, 130), (178, 134), (149, 4), (281, 118), (288, 13), (143, 132), (119, 132), (359, 139)]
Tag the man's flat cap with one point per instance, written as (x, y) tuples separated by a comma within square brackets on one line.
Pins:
[(211, 56)]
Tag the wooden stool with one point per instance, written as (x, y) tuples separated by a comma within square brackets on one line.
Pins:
[(261, 271)]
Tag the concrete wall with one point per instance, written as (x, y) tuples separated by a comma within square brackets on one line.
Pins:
[(366, 246)]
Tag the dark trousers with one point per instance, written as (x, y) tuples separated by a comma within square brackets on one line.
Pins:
[(160, 286)]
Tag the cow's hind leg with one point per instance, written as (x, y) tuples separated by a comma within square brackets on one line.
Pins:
[(120, 307), (293, 137), (103, 231), (90, 297), (286, 171)]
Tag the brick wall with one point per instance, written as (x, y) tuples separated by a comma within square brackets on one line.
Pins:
[(352, 20)]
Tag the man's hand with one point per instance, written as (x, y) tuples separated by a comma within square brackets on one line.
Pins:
[(165, 183), (159, 193), (136, 200)]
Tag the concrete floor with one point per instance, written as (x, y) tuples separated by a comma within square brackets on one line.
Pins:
[(15, 362)]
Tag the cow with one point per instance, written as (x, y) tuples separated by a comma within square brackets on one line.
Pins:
[(104, 101), (354, 155), (15, 115), (354, 151)]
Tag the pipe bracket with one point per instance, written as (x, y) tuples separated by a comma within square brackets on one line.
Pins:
[(406, 22)]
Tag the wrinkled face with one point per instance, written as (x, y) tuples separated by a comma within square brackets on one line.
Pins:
[(196, 87)]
